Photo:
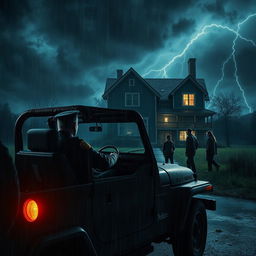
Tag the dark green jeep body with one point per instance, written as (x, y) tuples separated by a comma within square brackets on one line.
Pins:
[(120, 213)]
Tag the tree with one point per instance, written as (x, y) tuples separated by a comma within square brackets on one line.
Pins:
[(227, 105)]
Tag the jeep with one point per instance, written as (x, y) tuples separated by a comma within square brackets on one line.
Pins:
[(117, 212)]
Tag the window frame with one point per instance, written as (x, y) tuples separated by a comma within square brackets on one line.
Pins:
[(132, 101), (183, 94), (131, 82)]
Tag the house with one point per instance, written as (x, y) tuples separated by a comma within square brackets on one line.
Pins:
[(167, 105)]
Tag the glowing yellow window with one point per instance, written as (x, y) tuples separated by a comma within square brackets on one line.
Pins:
[(183, 135), (189, 99), (166, 119)]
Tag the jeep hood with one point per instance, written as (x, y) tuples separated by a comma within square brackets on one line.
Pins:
[(173, 174)]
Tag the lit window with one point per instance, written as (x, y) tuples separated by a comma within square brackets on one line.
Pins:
[(131, 82), (189, 99), (166, 119), (183, 135), (132, 99)]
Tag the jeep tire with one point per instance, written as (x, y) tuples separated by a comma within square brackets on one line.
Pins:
[(191, 241)]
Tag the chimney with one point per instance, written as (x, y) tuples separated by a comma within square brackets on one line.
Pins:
[(192, 67), (119, 73)]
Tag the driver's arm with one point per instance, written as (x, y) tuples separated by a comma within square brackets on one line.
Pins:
[(99, 160)]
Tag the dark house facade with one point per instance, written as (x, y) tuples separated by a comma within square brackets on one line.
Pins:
[(167, 105)]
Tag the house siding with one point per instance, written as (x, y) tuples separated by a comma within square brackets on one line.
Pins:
[(156, 106), (116, 99)]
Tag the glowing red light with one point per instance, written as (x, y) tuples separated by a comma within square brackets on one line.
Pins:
[(30, 210)]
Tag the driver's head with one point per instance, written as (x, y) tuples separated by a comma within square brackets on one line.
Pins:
[(68, 121)]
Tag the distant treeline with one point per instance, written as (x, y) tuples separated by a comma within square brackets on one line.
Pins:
[(241, 130)]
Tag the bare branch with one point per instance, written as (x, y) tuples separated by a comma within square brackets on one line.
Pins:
[(227, 104)]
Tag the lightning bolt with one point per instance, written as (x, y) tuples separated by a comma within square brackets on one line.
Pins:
[(204, 31), (233, 57)]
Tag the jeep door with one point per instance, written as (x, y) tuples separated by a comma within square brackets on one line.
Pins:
[(124, 201)]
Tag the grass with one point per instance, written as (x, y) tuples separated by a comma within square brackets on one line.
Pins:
[(237, 175)]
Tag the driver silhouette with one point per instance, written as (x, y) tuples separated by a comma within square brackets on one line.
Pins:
[(80, 154)]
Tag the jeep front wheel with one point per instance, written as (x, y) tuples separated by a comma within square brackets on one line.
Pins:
[(191, 242)]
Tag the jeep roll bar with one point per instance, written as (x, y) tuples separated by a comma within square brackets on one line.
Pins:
[(90, 115)]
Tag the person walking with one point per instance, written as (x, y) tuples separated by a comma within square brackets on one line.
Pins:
[(211, 151), (168, 150), (191, 147)]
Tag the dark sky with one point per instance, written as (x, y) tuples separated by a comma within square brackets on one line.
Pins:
[(61, 52)]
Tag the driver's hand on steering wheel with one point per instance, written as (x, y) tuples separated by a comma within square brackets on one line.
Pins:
[(114, 157)]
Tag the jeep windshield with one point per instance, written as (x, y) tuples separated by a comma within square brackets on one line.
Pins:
[(123, 135)]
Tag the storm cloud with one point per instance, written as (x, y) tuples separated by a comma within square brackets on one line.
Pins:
[(61, 52)]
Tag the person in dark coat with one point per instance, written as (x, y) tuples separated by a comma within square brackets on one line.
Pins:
[(81, 155), (191, 147), (211, 151), (168, 150)]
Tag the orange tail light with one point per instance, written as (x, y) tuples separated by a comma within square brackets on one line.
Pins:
[(209, 188), (30, 210)]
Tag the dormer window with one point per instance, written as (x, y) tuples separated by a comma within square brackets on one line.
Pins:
[(131, 82), (188, 99)]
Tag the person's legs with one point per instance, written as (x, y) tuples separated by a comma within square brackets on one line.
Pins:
[(171, 158), (209, 165), (209, 160), (215, 164), (166, 159), (191, 163), (193, 166), (188, 163)]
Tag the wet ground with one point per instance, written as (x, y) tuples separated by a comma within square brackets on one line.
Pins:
[(231, 230)]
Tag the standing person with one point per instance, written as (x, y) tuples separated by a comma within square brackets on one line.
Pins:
[(211, 151), (168, 150), (191, 147)]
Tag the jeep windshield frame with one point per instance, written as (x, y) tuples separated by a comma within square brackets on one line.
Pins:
[(88, 115)]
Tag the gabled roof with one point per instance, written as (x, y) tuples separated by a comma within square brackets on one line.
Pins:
[(201, 86), (162, 86), (111, 83)]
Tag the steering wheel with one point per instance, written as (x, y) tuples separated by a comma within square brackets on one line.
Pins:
[(110, 146)]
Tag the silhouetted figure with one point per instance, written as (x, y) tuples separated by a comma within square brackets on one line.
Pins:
[(191, 147), (168, 150), (211, 151), (81, 155)]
